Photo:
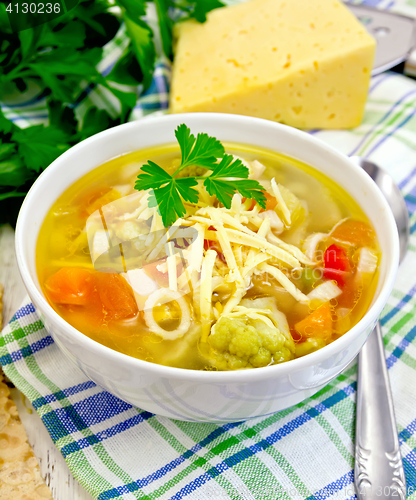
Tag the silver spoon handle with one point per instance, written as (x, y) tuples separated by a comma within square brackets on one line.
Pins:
[(378, 463)]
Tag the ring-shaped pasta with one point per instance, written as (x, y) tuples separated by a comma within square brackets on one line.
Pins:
[(185, 321)]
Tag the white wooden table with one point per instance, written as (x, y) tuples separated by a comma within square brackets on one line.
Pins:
[(52, 465)]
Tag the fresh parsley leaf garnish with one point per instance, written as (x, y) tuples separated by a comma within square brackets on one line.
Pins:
[(220, 184), (202, 151), (228, 176), (168, 191)]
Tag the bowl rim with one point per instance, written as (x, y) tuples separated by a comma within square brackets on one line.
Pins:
[(201, 376)]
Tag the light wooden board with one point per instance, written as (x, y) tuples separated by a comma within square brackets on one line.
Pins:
[(14, 290), (52, 465)]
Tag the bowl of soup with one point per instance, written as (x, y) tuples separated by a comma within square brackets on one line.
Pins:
[(218, 305)]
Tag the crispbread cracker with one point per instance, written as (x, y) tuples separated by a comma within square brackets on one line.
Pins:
[(20, 477)]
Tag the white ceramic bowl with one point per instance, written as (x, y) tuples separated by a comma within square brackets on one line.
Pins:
[(199, 395)]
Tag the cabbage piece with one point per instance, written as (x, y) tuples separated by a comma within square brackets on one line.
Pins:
[(311, 243), (367, 261), (308, 346), (324, 292), (294, 206), (281, 205), (256, 169)]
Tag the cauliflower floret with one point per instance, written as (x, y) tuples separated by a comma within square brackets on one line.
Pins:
[(279, 318), (128, 230), (244, 342)]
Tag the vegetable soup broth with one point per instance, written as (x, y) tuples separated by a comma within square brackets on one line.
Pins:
[(325, 223)]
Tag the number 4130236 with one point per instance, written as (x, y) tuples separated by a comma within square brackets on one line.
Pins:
[(34, 8)]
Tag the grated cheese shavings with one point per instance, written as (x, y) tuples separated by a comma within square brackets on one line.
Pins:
[(256, 242), (171, 262), (285, 282), (205, 298), (292, 249)]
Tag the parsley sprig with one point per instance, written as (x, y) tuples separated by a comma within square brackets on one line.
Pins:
[(228, 176), (57, 60)]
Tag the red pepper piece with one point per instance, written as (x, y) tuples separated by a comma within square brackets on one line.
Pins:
[(337, 264)]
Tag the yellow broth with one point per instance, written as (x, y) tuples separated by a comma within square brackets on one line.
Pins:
[(63, 243)]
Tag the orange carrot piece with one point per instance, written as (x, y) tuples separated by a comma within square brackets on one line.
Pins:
[(318, 324), (116, 296), (271, 202), (354, 232), (71, 285)]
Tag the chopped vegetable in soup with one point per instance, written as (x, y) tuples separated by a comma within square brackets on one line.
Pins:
[(232, 284)]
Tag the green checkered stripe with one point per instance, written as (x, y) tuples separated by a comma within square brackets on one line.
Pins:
[(118, 451)]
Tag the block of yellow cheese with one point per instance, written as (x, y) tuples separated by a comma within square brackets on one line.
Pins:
[(306, 63)]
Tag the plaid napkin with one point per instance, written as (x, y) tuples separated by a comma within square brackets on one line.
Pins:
[(304, 452)]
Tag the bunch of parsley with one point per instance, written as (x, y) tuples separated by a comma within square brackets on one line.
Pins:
[(59, 59)]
